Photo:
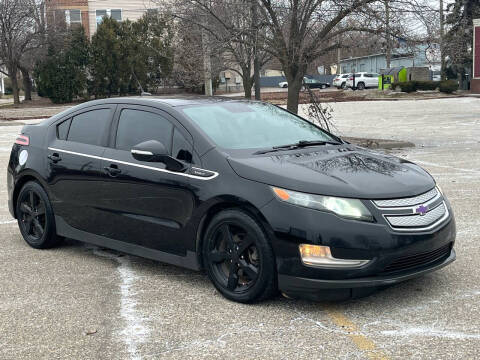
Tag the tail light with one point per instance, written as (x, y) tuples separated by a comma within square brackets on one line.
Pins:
[(350, 78), (22, 140)]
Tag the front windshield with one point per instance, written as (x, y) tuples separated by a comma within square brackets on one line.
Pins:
[(249, 125)]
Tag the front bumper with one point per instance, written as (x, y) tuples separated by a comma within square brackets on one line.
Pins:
[(348, 239), (300, 286)]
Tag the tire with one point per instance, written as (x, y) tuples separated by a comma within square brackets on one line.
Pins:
[(344, 85), (35, 217), (360, 86), (238, 257), (323, 86), (285, 86)]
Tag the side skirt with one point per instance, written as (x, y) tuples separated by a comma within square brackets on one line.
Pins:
[(189, 261)]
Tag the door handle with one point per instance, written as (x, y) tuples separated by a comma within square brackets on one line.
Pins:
[(112, 170), (54, 157)]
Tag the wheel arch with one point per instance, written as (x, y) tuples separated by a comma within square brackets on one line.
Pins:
[(22, 179), (225, 203)]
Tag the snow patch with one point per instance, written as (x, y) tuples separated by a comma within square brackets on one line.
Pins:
[(8, 222), (135, 331), (430, 332)]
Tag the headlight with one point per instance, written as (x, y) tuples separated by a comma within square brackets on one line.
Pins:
[(347, 208)]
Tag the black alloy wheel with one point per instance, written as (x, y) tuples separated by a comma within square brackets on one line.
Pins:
[(35, 217), (238, 257), (360, 86)]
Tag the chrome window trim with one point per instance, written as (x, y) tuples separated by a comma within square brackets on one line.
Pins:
[(214, 173)]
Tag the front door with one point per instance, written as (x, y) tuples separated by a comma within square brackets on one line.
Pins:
[(144, 203), (75, 176)]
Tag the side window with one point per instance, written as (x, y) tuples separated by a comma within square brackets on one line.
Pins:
[(136, 126), (181, 148), (62, 129), (89, 127)]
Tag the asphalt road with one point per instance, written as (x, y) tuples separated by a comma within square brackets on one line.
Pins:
[(81, 302)]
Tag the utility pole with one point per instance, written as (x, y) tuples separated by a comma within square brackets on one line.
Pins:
[(256, 62), (387, 34), (207, 64), (442, 49), (339, 55)]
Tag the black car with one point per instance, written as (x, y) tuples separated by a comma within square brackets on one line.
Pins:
[(260, 198), (314, 83)]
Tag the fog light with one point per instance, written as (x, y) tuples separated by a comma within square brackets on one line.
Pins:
[(321, 256)]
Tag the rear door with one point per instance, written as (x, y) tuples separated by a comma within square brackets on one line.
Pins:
[(75, 147), (144, 203)]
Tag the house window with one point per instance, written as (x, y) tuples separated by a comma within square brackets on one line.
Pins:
[(73, 16), (115, 14), (99, 15)]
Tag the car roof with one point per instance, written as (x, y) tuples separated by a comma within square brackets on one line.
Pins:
[(154, 101), (172, 101)]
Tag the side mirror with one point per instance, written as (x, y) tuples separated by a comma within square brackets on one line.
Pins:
[(155, 151)]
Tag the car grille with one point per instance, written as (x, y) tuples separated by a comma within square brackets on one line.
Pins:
[(416, 213), (418, 221), (415, 200), (417, 260)]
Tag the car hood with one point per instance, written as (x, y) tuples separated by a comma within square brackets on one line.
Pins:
[(345, 171)]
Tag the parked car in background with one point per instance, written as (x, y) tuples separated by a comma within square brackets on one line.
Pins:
[(436, 75), (363, 80), (341, 80), (310, 82), (314, 83)]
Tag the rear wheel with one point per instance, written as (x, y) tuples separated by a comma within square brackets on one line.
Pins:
[(238, 257), (35, 217), (344, 85), (323, 86), (360, 86)]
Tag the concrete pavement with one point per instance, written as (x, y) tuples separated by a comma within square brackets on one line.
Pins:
[(81, 302)]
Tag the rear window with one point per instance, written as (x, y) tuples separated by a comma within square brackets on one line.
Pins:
[(89, 127)]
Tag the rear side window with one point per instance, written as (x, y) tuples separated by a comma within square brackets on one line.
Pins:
[(89, 127), (62, 129), (136, 126)]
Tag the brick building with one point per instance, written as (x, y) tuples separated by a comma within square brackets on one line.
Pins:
[(89, 13)]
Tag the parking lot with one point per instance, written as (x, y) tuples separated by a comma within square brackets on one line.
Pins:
[(82, 302)]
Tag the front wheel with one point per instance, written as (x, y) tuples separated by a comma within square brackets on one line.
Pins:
[(35, 217), (238, 257)]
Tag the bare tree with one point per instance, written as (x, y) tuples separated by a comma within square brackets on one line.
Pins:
[(234, 34), (21, 29), (300, 31)]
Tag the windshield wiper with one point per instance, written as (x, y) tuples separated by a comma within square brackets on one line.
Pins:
[(297, 145)]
